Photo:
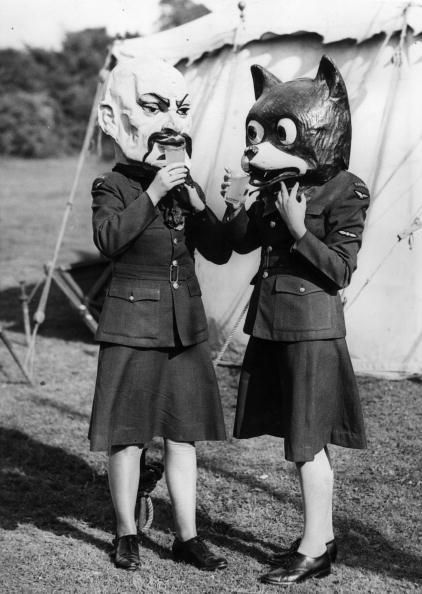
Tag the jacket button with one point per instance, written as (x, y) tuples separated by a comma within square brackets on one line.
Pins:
[(302, 289), (175, 285), (265, 274), (131, 298), (272, 224)]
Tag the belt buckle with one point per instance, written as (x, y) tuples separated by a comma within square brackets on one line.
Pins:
[(174, 273)]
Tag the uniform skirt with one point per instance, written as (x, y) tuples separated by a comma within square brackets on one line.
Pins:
[(304, 391), (143, 393)]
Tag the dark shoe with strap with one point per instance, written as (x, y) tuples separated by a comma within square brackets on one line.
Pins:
[(126, 552), (298, 569), (196, 552), (278, 558)]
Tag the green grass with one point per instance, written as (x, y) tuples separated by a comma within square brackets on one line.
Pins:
[(56, 520)]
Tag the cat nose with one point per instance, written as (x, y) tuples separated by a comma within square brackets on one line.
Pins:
[(250, 152)]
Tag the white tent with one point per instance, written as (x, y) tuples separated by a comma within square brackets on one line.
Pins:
[(378, 48)]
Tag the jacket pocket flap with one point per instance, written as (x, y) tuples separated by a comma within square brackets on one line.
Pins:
[(314, 208), (295, 285), (133, 293), (193, 286)]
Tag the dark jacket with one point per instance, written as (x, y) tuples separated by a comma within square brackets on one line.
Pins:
[(296, 288), (154, 298)]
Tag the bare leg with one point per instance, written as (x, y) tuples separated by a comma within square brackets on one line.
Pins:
[(123, 478), (180, 464), (316, 481)]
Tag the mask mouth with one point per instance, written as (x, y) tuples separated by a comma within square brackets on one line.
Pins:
[(261, 179), (168, 137)]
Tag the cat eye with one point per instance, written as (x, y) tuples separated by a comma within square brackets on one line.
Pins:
[(255, 132), (286, 130)]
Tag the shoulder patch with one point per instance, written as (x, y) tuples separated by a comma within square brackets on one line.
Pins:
[(360, 184), (362, 195), (347, 233)]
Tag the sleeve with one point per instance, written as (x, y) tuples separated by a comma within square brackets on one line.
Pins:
[(116, 225), (205, 232), (241, 229), (336, 255)]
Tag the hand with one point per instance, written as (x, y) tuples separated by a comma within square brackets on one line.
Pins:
[(226, 182), (292, 209), (232, 203), (194, 199), (166, 179)]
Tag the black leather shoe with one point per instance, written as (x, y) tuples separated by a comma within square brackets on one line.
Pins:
[(196, 552), (299, 568), (278, 558), (126, 552)]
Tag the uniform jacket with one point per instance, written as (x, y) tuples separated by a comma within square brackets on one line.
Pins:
[(296, 288), (154, 298)]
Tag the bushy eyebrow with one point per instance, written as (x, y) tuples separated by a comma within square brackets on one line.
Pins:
[(180, 103), (156, 96)]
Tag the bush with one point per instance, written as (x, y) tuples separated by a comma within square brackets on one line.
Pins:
[(29, 125)]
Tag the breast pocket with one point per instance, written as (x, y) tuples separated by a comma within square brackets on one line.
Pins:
[(131, 309), (315, 219), (300, 305)]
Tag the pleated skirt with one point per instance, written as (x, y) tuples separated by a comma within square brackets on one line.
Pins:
[(144, 393), (305, 392)]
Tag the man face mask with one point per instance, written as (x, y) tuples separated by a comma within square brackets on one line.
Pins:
[(146, 110)]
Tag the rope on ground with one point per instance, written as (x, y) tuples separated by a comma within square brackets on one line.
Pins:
[(146, 512)]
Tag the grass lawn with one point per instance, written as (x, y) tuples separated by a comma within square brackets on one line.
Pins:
[(56, 520)]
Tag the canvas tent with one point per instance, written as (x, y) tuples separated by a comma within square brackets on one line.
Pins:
[(378, 48)]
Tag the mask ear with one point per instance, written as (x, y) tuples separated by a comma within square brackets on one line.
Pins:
[(328, 73), (107, 120), (262, 80)]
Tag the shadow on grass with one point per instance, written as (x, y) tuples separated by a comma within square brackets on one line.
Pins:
[(43, 485), (362, 546), (48, 487), (219, 533)]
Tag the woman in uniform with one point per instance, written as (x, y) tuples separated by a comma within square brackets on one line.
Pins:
[(155, 376), (297, 380)]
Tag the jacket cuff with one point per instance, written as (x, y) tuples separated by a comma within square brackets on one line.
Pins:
[(320, 255), (309, 247), (204, 215), (144, 209), (232, 214)]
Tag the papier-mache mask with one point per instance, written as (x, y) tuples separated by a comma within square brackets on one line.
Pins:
[(146, 107), (299, 129)]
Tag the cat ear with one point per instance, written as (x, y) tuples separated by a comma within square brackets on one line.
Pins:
[(263, 80), (329, 73)]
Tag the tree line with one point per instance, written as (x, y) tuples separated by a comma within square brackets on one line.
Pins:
[(47, 95)]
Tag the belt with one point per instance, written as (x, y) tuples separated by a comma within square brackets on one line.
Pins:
[(173, 273)]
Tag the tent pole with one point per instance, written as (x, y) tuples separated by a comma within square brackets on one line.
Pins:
[(11, 350), (39, 315)]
